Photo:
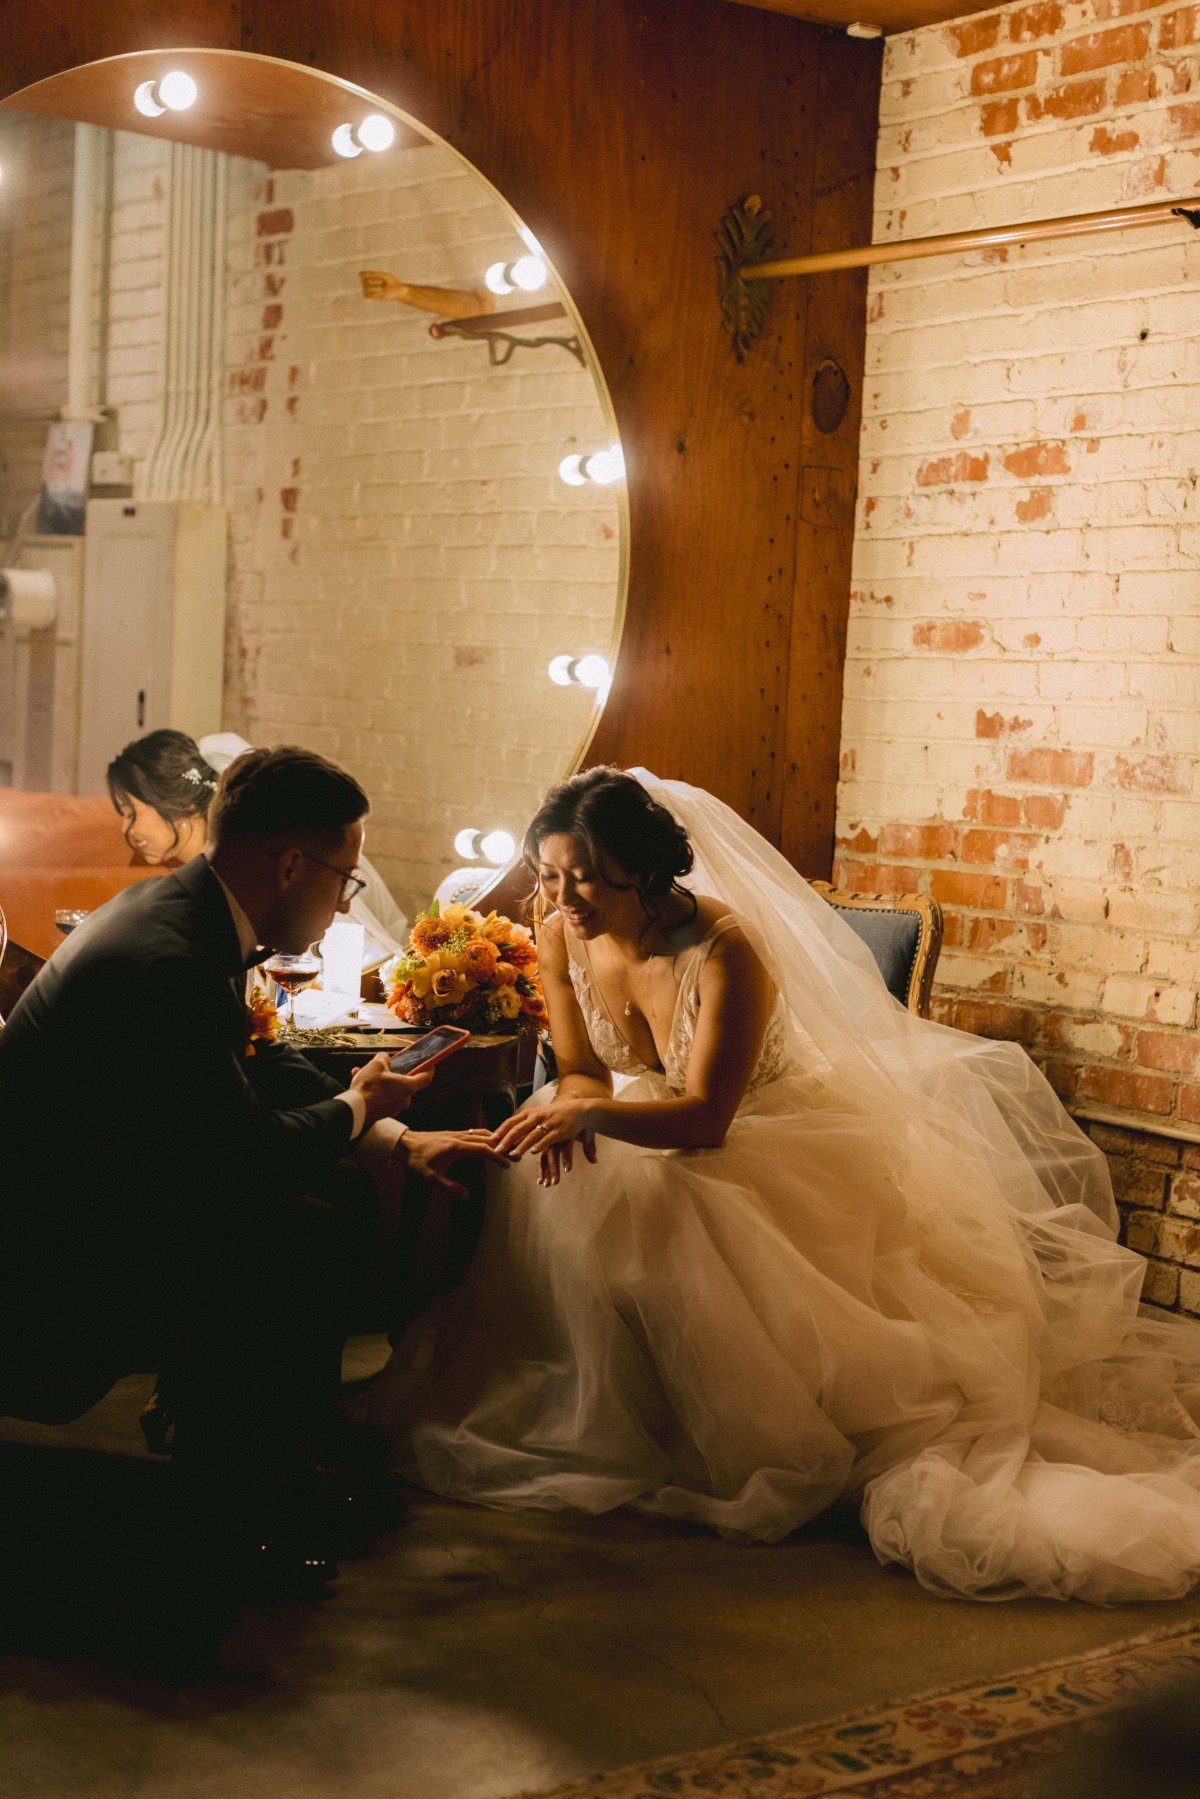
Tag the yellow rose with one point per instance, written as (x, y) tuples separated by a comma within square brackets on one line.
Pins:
[(448, 988), (508, 1003), (421, 982), (458, 916)]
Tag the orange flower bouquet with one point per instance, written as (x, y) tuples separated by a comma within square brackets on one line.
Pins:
[(462, 968)]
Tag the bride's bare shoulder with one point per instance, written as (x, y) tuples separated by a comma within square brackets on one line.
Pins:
[(551, 942), (709, 911)]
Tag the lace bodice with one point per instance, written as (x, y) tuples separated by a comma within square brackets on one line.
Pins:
[(615, 1051)]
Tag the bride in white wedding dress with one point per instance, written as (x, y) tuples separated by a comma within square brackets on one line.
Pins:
[(773, 1242)]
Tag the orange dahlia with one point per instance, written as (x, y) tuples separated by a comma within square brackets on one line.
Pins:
[(479, 959), (407, 1007), (262, 1018), (429, 934), (521, 952)]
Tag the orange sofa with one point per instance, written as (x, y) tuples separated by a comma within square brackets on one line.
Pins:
[(58, 849)]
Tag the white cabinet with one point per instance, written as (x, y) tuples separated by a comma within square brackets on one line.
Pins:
[(39, 675), (153, 649)]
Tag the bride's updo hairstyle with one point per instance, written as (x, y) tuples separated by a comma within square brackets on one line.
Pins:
[(617, 820), (164, 770)]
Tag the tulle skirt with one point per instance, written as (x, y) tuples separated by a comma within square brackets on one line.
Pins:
[(742, 1336)]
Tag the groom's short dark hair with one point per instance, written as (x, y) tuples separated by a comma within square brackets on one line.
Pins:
[(284, 792)]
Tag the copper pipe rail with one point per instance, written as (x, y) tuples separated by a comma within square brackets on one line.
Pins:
[(1119, 218)]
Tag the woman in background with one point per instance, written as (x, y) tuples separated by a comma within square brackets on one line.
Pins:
[(162, 788)]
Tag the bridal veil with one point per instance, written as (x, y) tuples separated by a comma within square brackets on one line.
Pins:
[(1074, 1465)]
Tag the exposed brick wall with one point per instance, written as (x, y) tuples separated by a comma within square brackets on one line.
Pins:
[(1021, 730), (1157, 1184)]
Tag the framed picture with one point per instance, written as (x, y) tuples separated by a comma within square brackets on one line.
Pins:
[(65, 478)]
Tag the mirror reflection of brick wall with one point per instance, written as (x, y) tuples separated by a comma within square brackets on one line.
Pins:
[(404, 560), (404, 552)]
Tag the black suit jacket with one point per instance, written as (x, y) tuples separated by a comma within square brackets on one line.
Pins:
[(135, 1136)]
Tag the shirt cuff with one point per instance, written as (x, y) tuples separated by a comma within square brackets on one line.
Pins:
[(358, 1110), (385, 1134)]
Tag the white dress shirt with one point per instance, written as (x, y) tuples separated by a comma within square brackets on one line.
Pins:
[(248, 942)]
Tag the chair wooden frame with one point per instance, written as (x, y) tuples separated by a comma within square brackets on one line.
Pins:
[(929, 940)]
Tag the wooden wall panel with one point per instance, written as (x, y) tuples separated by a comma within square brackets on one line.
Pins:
[(620, 132), (843, 183)]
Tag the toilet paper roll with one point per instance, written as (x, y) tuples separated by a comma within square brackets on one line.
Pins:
[(28, 597)]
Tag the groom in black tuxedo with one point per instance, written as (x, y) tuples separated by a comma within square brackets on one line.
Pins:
[(168, 1198)]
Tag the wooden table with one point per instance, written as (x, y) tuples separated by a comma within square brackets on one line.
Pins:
[(476, 1086)]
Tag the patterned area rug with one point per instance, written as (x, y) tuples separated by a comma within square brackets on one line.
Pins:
[(992, 1740)]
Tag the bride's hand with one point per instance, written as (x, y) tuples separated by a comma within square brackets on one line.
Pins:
[(559, 1159), (550, 1132)]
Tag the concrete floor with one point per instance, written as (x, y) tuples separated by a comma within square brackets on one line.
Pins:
[(470, 1655)]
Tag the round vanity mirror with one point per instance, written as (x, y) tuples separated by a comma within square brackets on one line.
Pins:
[(309, 439)]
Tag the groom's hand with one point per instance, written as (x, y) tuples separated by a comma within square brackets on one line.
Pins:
[(386, 1094), (431, 1153)]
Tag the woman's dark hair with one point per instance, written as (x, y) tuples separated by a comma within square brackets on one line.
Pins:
[(165, 770), (614, 816), (284, 793)]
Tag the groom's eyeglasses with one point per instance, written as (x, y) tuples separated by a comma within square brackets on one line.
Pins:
[(352, 884)]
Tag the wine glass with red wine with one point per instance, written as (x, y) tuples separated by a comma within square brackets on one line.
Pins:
[(293, 973)]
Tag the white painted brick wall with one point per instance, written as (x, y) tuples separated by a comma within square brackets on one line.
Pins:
[(403, 549), (1020, 733), (36, 160)]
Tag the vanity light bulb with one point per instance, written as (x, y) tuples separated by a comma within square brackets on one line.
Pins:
[(559, 671), (177, 90), (466, 845), (496, 278), (605, 466), (571, 471), (376, 132), (343, 141), (498, 848), (145, 100), (529, 273), (591, 671)]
